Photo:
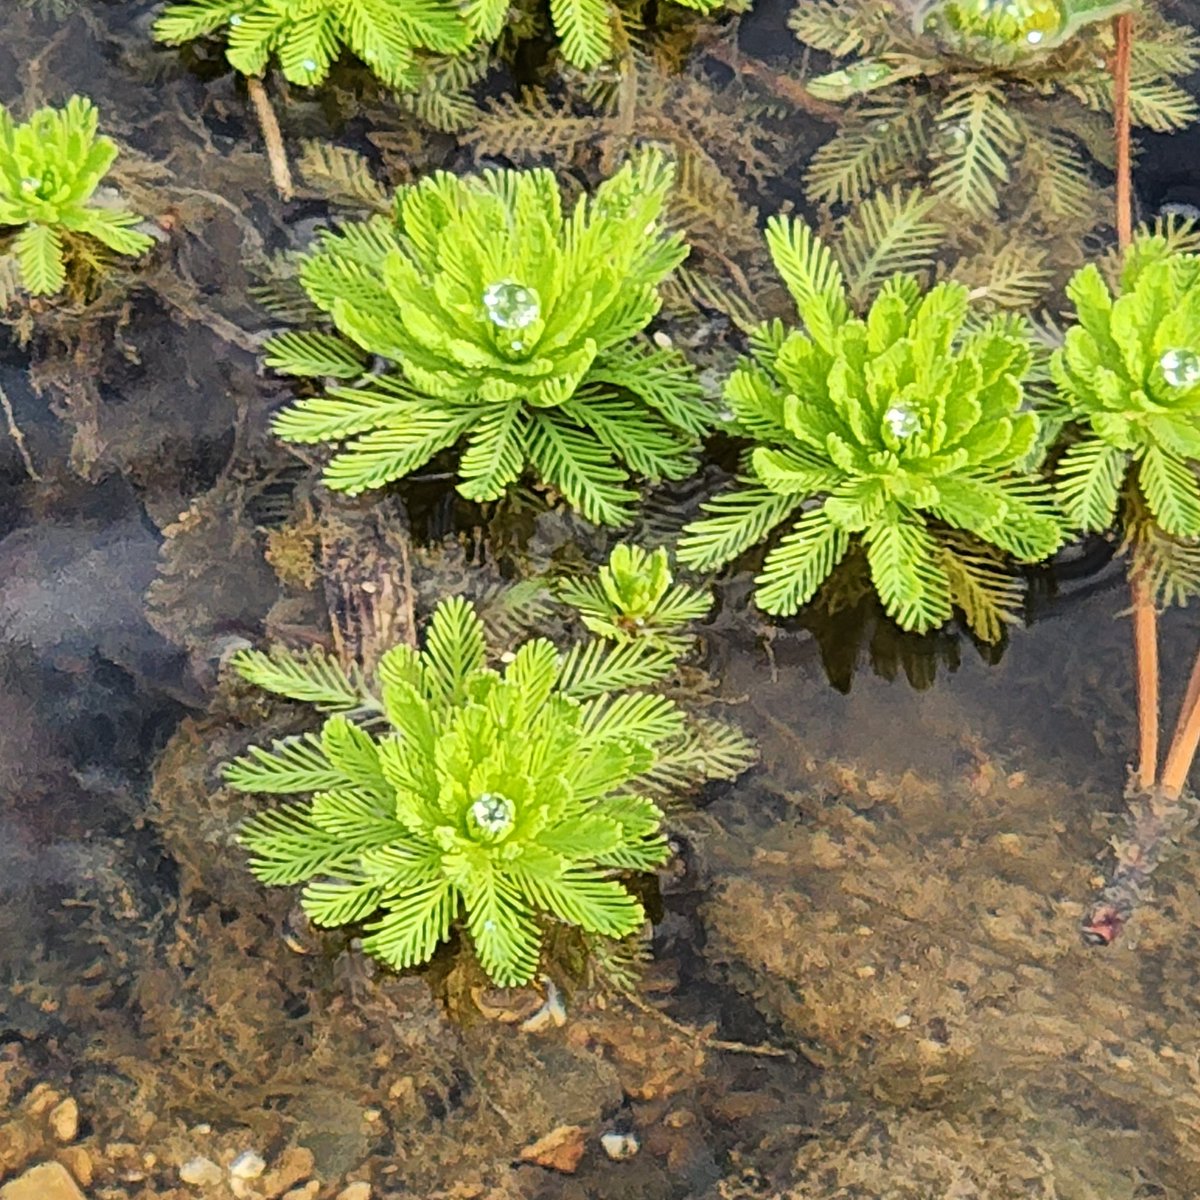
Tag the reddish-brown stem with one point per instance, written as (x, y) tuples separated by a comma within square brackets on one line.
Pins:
[(1145, 619), (1145, 650), (1183, 749), (1120, 74), (1191, 696)]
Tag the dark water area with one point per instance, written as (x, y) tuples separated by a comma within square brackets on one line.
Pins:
[(883, 916)]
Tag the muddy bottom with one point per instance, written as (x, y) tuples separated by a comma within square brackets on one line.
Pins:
[(867, 976)]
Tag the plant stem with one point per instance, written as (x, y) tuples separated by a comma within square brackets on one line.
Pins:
[(1183, 747), (1191, 696), (1145, 650), (1145, 618), (281, 174), (1120, 73)]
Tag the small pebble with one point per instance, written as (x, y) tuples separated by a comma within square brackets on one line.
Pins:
[(64, 1120), (201, 1172), (903, 1021), (307, 1192), (46, 1181), (619, 1146), (247, 1165), (79, 1162), (361, 1190)]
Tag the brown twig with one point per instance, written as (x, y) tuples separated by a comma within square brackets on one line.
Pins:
[(783, 86), (281, 173), (14, 431), (702, 1037)]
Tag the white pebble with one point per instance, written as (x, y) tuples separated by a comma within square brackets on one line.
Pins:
[(247, 1165), (620, 1145), (201, 1172)]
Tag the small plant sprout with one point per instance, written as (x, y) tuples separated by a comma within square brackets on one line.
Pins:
[(515, 330), (635, 597), (454, 796), (306, 36), (50, 218), (905, 432)]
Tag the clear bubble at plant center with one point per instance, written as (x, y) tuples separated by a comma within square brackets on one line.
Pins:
[(902, 420), (1180, 368), (511, 305), (492, 812)]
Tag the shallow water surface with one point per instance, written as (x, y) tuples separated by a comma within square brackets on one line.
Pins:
[(868, 978)]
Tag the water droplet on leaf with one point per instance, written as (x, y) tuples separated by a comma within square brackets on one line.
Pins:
[(511, 305), (236, 20), (1180, 368), (902, 420), (309, 64), (492, 812)]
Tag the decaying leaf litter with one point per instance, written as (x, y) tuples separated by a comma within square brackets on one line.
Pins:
[(903, 922)]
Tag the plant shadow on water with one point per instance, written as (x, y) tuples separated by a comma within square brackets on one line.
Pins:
[(894, 896)]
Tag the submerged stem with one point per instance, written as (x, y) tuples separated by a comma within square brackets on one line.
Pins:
[(1183, 748), (281, 173), (1145, 618), (1120, 73), (1145, 649)]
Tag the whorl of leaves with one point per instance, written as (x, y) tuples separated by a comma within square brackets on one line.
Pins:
[(894, 430), (515, 330), (1129, 375), (495, 802), (50, 168), (976, 101)]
